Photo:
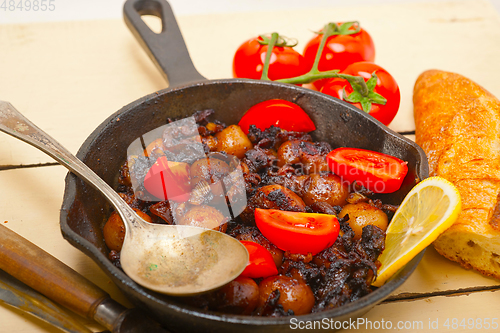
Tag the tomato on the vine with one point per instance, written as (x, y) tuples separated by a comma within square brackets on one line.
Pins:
[(278, 112), (341, 49), (385, 85), (285, 62)]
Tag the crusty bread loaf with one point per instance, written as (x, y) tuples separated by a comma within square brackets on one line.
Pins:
[(458, 126)]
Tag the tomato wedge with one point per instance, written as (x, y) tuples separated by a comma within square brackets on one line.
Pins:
[(168, 180), (378, 172), (278, 112), (260, 263), (298, 232)]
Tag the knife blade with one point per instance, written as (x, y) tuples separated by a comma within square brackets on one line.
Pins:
[(41, 271), (18, 295)]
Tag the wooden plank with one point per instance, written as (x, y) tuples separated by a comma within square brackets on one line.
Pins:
[(461, 313), (436, 274), (16, 321), (70, 76)]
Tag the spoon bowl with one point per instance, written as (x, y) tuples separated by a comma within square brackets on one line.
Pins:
[(176, 260), (183, 261)]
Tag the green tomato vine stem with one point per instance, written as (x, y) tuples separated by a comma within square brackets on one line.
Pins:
[(358, 84), (272, 43)]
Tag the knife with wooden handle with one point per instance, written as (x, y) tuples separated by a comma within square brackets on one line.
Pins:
[(16, 294), (39, 270)]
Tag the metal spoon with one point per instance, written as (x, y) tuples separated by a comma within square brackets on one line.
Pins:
[(171, 259)]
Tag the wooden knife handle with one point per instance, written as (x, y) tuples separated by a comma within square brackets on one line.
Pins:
[(46, 274)]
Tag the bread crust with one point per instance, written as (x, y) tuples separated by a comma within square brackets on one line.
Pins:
[(458, 126)]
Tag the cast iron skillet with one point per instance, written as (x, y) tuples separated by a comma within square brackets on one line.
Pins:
[(84, 211)]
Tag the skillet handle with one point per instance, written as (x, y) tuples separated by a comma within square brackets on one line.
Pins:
[(167, 49)]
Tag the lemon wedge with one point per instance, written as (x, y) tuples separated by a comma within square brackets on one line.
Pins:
[(430, 208)]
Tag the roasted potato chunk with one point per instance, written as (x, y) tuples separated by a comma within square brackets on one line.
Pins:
[(362, 214), (233, 141), (114, 230)]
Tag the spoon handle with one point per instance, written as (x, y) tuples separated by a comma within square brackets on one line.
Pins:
[(14, 123)]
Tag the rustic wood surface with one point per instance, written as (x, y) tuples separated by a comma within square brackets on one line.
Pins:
[(68, 77)]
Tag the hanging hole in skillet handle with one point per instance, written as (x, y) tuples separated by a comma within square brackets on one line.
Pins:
[(153, 22), (166, 49)]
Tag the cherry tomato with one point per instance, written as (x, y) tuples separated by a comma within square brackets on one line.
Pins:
[(260, 263), (278, 112), (340, 51), (297, 232), (285, 62), (378, 172), (168, 180), (386, 86)]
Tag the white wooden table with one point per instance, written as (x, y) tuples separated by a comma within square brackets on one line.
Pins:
[(67, 77)]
